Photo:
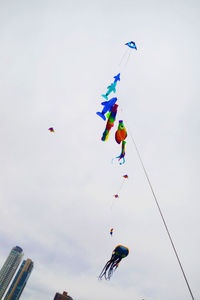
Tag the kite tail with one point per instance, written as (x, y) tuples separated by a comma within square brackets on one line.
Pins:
[(106, 267), (122, 155), (113, 267), (109, 125), (105, 135), (110, 267)]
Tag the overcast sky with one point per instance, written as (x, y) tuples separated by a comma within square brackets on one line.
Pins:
[(56, 59)]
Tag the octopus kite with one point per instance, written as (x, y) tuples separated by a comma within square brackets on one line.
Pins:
[(118, 253)]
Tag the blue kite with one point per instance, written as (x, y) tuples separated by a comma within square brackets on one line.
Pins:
[(108, 105), (111, 88), (131, 45)]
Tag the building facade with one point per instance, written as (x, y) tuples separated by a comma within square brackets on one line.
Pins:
[(64, 296), (9, 268), (20, 280)]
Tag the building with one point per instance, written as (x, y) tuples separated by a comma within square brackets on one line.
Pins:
[(20, 280), (9, 268), (64, 296)]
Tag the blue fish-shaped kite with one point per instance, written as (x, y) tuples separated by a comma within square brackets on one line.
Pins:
[(131, 45), (107, 107), (111, 88)]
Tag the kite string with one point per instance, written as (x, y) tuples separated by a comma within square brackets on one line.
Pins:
[(121, 185), (161, 214), (123, 56), (120, 188), (123, 67)]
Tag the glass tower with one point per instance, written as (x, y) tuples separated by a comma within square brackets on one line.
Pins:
[(20, 280), (9, 268)]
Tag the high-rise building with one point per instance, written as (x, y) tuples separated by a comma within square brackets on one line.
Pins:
[(64, 296), (9, 268), (20, 280)]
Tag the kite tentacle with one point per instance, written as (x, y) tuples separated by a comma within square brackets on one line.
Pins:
[(106, 267), (113, 267), (122, 155), (110, 267)]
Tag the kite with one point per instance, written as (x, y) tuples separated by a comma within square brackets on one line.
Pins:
[(118, 253), (116, 196), (51, 129), (111, 231), (120, 136), (125, 176), (121, 133), (121, 156), (131, 45), (111, 88), (110, 122), (108, 105)]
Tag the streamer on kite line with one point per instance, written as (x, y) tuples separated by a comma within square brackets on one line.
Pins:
[(111, 231), (118, 254), (125, 176), (51, 129), (116, 196)]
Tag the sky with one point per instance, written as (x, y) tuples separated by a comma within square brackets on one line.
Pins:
[(56, 189)]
